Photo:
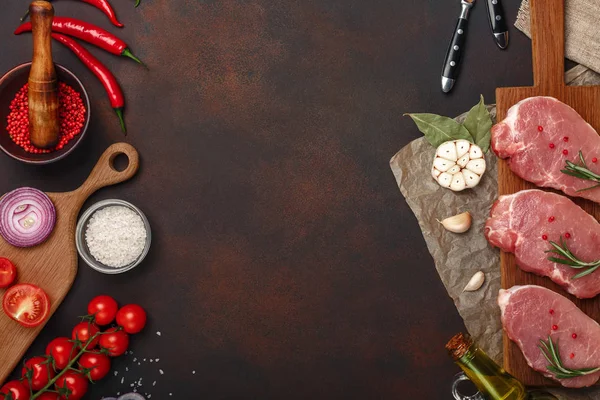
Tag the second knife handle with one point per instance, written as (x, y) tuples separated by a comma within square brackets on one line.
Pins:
[(455, 50), (496, 16)]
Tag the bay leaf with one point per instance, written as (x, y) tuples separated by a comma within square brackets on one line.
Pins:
[(439, 129), (479, 125)]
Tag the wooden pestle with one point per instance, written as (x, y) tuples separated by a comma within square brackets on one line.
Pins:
[(44, 121)]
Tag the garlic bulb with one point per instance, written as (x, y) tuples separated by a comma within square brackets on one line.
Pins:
[(458, 165)]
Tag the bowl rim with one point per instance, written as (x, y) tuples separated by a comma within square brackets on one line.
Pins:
[(82, 247), (83, 131)]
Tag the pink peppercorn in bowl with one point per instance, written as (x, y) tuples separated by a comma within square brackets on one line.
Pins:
[(10, 86)]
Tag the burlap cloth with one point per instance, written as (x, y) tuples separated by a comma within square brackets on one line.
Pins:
[(458, 257)]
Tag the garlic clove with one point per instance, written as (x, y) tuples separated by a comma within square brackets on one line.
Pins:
[(457, 224), (445, 179), (462, 147), (458, 182), (453, 170), (475, 152), (475, 283), (448, 151), (463, 161), (471, 178), (443, 165), (477, 166), (435, 173)]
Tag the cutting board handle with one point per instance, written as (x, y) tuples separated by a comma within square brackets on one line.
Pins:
[(105, 174), (548, 45)]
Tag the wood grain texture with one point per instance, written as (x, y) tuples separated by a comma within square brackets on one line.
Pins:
[(53, 264), (548, 67), (43, 82)]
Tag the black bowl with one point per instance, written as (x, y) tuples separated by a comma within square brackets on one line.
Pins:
[(10, 84)]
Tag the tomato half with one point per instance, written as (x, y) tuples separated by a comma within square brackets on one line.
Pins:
[(104, 309), (84, 331), (132, 318), (17, 390), (115, 341), (76, 384), (41, 373), (27, 304), (61, 349), (8, 272), (97, 363)]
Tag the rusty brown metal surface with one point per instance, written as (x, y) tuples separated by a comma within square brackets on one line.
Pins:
[(285, 262)]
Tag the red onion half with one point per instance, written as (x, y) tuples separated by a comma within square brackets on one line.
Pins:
[(27, 217)]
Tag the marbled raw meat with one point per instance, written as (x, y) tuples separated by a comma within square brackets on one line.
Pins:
[(528, 151)]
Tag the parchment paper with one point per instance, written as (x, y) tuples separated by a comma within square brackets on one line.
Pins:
[(458, 256)]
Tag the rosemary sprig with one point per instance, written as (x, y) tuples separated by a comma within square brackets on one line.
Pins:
[(570, 259), (550, 352), (581, 171)]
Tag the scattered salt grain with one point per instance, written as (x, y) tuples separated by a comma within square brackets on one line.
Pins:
[(161, 371), (126, 369), (116, 373), (158, 333), (122, 380), (116, 236), (154, 383), (157, 360), (194, 372)]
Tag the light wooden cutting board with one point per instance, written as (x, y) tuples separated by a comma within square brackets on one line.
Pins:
[(53, 264), (547, 25)]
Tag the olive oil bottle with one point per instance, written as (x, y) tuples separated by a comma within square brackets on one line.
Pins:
[(490, 379)]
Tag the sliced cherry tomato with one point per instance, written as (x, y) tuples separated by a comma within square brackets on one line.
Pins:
[(27, 304), (97, 363), (84, 331), (62, 350), (132, 318), (8, 272), (48, 396), (17, 390), (76, 384), (115, 341), (104, 309), (39, 373)]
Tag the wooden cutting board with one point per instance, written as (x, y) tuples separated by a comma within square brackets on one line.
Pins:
[(53, 264), (547, 25)]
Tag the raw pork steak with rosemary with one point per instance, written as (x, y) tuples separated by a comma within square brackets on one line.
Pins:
[(550, 236), (556, 338), (548, 143)]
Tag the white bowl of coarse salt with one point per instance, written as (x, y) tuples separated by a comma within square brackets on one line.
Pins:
[(113, 236)]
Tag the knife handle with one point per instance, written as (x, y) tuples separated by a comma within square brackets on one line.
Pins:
[(496, 12), (455, 50)]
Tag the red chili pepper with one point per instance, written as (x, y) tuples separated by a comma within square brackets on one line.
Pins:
[(102, 5), (115, 94), (87, 32)]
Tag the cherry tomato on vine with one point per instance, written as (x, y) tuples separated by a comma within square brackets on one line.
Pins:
[(17, 390), (84, 331), (115, 341), (27, 304), (97, 363), (104, 309), (76, 383), (41, 373), (8, 272), (62, 350), (48, 396), (132, 318)]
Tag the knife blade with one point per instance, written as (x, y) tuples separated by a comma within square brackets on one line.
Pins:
[(456, 48), (498, 23)]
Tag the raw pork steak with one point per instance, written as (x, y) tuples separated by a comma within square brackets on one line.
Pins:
[(538, 135), (524, 223), (530, 313)]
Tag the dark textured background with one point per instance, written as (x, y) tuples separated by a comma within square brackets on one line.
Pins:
[(285, 262)]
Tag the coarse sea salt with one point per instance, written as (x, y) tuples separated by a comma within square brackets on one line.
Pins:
[(116, 236)]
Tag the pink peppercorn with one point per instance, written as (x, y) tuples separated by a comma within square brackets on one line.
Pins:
[(551, 145), (565, 152), (540, 128)]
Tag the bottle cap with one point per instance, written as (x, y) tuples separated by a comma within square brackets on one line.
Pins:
[(458, 345)]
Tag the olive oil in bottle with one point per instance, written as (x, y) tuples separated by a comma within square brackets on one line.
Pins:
[(489, 378)]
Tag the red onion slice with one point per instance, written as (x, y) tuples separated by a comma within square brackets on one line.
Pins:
[(27, 217)]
